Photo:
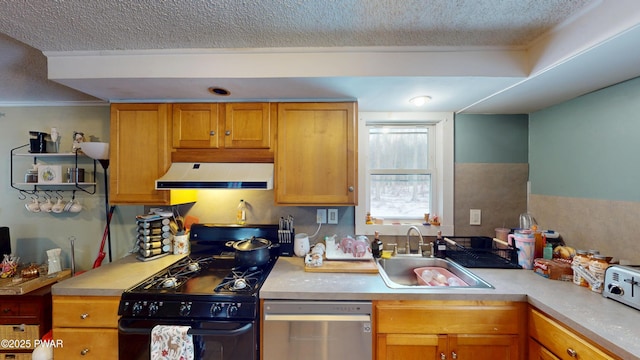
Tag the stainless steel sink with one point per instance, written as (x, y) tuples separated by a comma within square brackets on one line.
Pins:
[(397, 273)]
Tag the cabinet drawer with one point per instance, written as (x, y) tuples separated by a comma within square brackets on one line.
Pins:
[(15, 308), (560, 340), (450, 317), (86, 343), (88, 311), (10, 308), (28, 333)]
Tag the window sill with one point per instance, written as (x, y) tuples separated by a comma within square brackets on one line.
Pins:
[(402, 228)]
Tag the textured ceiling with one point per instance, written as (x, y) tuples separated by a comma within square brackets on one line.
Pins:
[(483, 56), (66, 25)]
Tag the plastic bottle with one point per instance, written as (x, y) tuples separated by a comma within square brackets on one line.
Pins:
[(441, 246), (548, 251), (241, 214), (540, 242), (376, 246)]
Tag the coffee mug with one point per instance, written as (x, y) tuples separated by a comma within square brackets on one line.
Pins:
[(46, 206), (33, 206), (301, 244), (58, 207), (75, 207)]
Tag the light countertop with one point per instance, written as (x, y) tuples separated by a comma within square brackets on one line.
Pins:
[(606, 322), (111, 279)]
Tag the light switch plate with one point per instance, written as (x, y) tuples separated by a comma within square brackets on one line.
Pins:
[(475, 217), (333, 216)]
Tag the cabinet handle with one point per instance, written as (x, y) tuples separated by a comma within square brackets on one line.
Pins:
[(454, 355), (443, 356), (84, 351), (212, 132), (6, 310), (572, 353), (228, 132), (84, 316), (351, 189)]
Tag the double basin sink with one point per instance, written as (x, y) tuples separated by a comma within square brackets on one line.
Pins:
[(398, 273)]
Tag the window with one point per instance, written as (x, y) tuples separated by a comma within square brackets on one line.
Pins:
[(404, 159)]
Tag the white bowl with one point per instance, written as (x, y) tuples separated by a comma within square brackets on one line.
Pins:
[(95, 150)]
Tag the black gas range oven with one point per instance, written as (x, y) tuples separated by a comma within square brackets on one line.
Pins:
[(205, 291)]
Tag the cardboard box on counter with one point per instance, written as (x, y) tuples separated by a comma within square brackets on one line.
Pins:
[(554, 269)]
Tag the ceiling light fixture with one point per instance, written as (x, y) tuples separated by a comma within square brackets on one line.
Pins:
[(219, 91), (420, 100)]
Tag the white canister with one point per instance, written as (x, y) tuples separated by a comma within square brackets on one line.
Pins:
[(301, 244), (181, 244)]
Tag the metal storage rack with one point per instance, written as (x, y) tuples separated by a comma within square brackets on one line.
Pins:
[(481, 252), (32, 188)]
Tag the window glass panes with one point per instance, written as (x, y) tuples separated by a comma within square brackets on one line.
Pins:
[(399, 148), (400, 196)]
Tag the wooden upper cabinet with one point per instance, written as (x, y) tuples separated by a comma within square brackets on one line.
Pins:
[(195, 126), (316, 154), (247, 126), (140, 153), (230, 132)]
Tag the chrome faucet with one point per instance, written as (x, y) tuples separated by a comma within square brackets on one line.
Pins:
[(420, 240)]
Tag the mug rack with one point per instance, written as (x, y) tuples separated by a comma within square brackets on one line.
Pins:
[(56, 184)]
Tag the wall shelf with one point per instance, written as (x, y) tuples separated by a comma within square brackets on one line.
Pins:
[(34, 187)]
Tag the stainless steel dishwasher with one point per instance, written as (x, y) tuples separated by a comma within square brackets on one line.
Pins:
[(317, 330)]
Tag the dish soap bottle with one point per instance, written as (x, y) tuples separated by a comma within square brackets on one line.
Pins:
[(376, 246), (441, 246), (241, 213)]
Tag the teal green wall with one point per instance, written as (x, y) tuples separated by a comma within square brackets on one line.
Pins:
[(588, 147), (491, 138)]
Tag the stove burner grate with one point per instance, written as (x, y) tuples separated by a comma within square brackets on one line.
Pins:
[(176, 274), (240, 280)]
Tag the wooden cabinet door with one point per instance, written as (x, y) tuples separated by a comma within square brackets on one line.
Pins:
[(411, 346), (247, 126), (316, 154), (140, 153), (195, 126), (483, 347)]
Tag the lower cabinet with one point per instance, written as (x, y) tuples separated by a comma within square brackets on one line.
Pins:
[(87, 326), (476, 330), (551, 340)]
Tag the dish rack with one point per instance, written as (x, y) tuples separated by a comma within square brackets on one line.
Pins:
[(481, 252)]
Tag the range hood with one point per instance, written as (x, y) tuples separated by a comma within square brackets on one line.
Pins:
[(217, 176)]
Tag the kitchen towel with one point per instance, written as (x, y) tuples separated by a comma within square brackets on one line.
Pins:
[(171, 343)]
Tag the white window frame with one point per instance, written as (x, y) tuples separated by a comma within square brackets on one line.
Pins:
[(442, 182)]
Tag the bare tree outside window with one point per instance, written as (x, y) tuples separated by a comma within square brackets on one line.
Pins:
[(399, 171)]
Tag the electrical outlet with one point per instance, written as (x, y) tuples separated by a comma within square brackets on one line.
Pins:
[(333, 216), (321, 216), (475, 217)]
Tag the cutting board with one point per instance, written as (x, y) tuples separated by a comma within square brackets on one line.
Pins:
[(8, 287), (340, 266)]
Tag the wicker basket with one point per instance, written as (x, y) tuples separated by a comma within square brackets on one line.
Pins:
[(29, 333), (15, 356)]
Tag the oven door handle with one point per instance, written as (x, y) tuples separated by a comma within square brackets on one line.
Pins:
[(204, 332)]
